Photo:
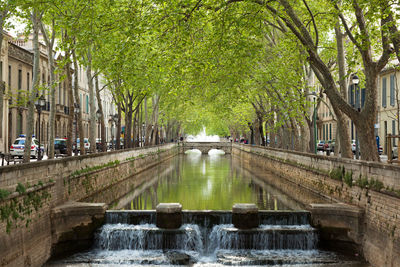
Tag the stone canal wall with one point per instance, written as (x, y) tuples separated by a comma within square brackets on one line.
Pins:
[(372, 190), (37, 199)]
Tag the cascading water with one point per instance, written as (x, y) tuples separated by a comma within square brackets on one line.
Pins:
[(148, 237), (210, 238)]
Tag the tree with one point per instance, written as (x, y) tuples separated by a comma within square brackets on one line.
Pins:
[(50, 41), (35, 19)]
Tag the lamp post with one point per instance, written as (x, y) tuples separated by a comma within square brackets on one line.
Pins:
[(40, 103), (76, 111), (143, 133), (98, 117), (356, 81)]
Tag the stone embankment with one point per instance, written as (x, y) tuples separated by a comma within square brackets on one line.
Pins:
[(42, 209), (365, 197)]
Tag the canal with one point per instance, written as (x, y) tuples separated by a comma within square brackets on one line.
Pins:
[(207, 182)]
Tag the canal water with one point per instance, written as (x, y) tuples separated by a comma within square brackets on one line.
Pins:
[(207, 182)]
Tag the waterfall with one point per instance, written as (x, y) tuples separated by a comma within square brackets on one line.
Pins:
[(148, 237), (206, 238)]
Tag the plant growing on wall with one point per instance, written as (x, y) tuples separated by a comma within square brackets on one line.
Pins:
[(18, 210)]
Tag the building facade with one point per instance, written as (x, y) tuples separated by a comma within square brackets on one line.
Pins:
[(16, 72)]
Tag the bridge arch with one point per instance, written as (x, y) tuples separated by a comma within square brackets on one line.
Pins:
[(205, 147)]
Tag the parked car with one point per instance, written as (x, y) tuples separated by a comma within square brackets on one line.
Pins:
[(320, 145), (353, 146), (60, 146), (17, 148), (380, 150), (86, 144), (330, 145), (98, 144)]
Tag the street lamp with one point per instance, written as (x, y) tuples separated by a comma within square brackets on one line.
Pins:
[(143, 133), (76, 111), (40, 102), (356, 81)]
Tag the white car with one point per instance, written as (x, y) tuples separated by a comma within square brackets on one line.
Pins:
[(86, 144), (17, 148)]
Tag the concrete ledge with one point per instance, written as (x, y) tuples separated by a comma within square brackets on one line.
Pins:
[(73, 226), (339, 224), (169, 215), (245, 216), (169, 207), (244, 208)]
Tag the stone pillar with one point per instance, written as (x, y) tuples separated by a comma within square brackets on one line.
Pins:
[(169, 215), (245, 216)]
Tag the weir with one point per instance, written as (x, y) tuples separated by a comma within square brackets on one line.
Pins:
[(204, 238)]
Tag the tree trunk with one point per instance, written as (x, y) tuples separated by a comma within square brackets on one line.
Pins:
[(305, 136), (3, 16), (342, 119), (70, 105), (35, 88), (128, 127), (102, 123), (118, 137), (146, 133), (261, 130), (92, 112), (77, 101), (52, 117)]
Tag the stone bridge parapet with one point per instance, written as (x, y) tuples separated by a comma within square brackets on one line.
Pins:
[(205, 147)]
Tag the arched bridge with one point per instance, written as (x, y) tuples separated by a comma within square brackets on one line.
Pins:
[(205, 147)]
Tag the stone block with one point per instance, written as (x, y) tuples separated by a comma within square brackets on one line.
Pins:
[(245, 216), (169, 215)]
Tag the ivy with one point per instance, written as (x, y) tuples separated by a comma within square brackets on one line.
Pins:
[(348, 178), (4, 193), (20, 188), (94, 168), (337, 173), (20, 208)]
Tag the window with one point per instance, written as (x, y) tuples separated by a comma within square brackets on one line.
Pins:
[(80, 101), (330, 131), (384, 92), (9, 76), (392, 92), (19, 79), (87, 104), (59, 94), (27, 82), (393, 132), (64, 95), (362, 97), (351, 95), (323, 132), (385, 134)]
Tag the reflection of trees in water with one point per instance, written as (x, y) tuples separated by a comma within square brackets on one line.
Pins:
[(266, 200)]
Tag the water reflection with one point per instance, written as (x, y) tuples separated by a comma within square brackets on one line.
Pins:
[(203, 182)]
